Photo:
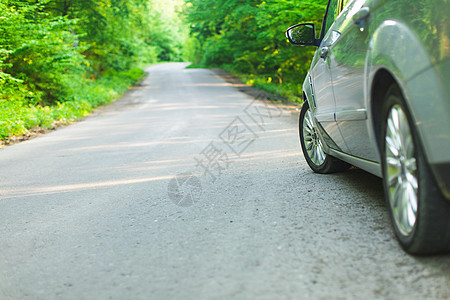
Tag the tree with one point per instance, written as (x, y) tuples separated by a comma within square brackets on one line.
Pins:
[(248, 35)]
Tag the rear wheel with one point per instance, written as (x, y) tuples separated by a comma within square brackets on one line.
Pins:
[(419, 213), (316, 157)]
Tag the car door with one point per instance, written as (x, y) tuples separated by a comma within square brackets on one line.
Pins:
[(321, 81), (347, 67)]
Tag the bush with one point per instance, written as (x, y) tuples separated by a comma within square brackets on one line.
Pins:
[(17, 116)]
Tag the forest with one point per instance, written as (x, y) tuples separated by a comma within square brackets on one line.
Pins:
[(59, 59)]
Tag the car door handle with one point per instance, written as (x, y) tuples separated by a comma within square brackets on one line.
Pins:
[(360, 17), (323, 52)]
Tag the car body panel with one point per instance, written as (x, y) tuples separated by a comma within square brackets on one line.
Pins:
[(325, 106), (347, 61), (408, 40), (418, 59)]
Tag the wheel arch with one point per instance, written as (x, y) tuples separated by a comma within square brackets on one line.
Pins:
[(392, 49), (382, 81), (397, 56)]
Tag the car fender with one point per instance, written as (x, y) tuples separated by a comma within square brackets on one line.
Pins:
[(396, 49)]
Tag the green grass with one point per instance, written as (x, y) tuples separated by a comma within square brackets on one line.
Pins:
[(288, 91), (195, 66), (18, 117), (291, 92)]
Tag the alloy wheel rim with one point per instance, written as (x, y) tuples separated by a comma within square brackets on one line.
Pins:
[(401, 170), (313, 145)]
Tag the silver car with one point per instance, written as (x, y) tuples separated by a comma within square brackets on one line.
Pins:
[(377, 97)]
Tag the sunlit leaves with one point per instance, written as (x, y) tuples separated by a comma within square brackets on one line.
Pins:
[(248, 35), (47, 45)]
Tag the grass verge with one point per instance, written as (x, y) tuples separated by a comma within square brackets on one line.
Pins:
[(18, 118), (290, 92)]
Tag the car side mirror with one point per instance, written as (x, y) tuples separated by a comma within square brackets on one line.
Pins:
[(302, 35)]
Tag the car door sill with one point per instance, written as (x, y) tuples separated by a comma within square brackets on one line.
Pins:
[(351, 115), (366, 165), (326, 117)]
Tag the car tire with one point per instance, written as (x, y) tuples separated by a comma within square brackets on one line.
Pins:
[(419, 212), (316, 157)]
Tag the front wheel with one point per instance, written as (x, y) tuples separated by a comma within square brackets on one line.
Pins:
[(316, 157), (419, 213)]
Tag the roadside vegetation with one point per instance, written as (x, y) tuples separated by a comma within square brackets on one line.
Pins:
[(247, 38), (60, 59)]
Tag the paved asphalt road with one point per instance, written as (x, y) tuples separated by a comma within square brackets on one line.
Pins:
[(189, 189)]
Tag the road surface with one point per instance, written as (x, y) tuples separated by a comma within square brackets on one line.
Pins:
[(187, 188)]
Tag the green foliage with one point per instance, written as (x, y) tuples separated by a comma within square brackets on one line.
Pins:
[(17, 117), (37, 50), (61, 58), (192, 50), (247, 37)]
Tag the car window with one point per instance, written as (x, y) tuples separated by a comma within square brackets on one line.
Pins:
[(340, 6), (331, 14), (334, 9)]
